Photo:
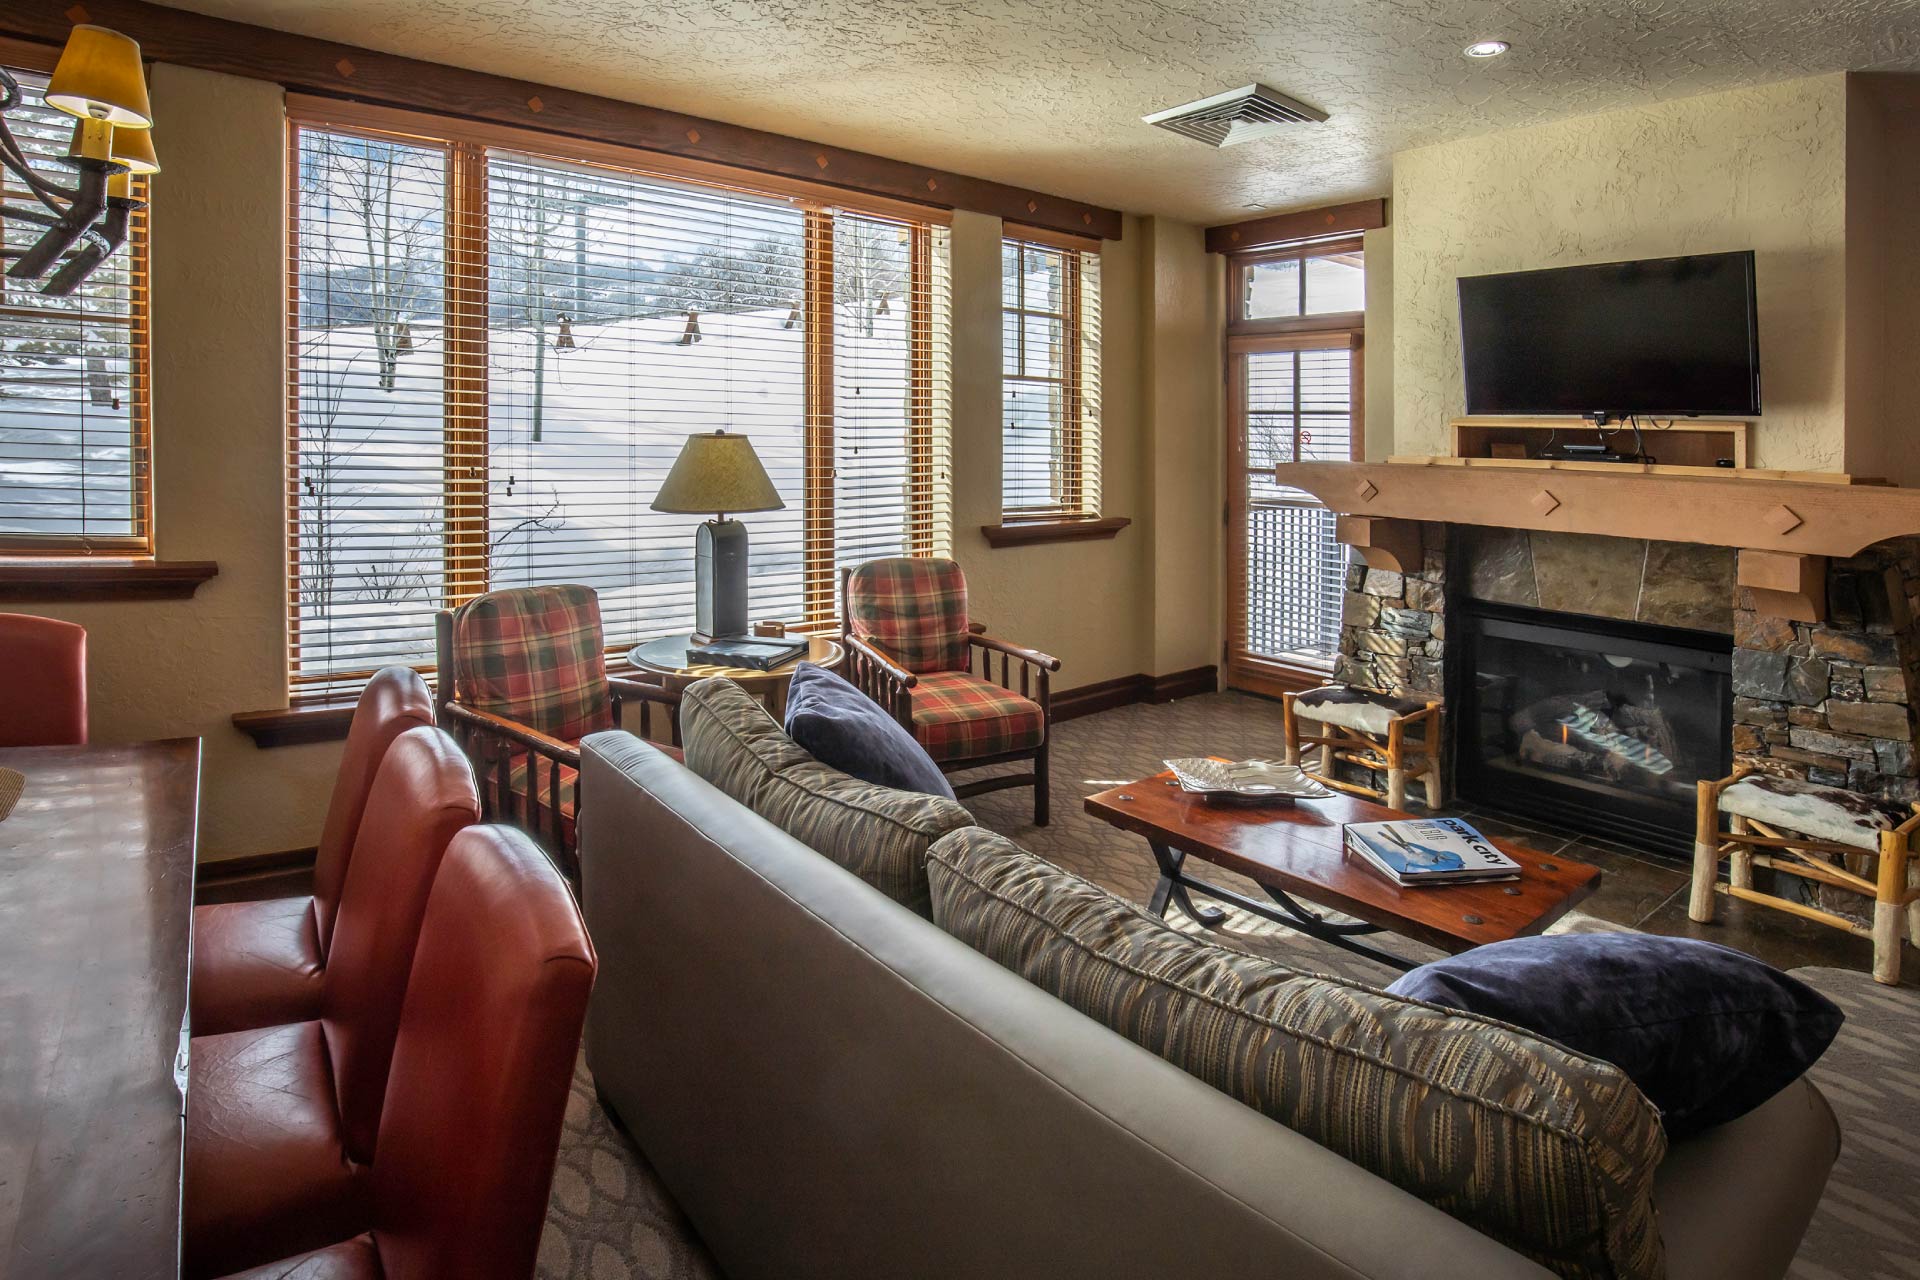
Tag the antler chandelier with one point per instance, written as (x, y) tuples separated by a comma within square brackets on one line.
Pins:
[(100, 81)]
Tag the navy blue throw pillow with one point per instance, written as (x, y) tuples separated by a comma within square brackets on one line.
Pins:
[(1707, 1032), (841, 726)]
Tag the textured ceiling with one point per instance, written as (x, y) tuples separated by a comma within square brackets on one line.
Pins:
[(1050, 96)]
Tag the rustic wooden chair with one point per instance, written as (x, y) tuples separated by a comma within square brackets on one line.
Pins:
[(1370, 729), (912, 648), (523, 677), (1813, 832)]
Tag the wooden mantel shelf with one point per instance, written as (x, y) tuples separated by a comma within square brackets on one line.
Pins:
[(1764, 511)]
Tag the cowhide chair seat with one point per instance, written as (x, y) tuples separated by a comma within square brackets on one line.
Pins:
[(1399, 737)]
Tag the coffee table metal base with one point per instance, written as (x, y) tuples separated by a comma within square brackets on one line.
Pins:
[(1177, 885)]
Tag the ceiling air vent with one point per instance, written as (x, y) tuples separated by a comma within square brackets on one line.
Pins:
[(1240, 115)]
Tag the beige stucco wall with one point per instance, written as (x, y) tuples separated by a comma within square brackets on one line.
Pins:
[(174, 668), (1376, 353), (1182, 311), (1760, 169), (1883, 276), (1080, 601)]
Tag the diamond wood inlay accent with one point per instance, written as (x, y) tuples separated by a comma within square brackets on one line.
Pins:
[(821, 159), (78, 14), (1783, 519), (1544, 502), (1033, 206), (535, 105), (693, 135), (1366, 490), (932, 185), (344, 67)]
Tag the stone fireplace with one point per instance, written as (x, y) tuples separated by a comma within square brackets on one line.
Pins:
[(1654, 668)]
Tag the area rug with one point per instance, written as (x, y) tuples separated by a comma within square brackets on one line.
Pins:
[(611, 1219)]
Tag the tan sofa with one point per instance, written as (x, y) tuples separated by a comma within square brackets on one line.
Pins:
[(831, 1086)]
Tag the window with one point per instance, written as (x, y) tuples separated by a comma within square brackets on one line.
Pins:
[(497, 355), (1294, 369), (73, 382), (1050, 382)]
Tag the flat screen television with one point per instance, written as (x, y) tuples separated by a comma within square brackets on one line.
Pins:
[(1661, 337)]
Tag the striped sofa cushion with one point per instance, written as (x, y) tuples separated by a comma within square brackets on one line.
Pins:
[(1550, 1153), (879, 834)]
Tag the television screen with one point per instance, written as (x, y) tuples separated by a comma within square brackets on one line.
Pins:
[(1658, 337)]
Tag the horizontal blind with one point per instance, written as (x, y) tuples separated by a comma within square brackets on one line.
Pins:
[(625, 314), (73, 376), (1050, 440), (1299, 407), (890, 298), (497, 356), (367, 402)]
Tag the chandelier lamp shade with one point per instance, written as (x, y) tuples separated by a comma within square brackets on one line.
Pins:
[(718, 473), (101, 82)]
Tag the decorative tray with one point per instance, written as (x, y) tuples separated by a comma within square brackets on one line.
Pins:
[(1246, 781)]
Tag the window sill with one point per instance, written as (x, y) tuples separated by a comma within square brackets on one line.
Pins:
[(296, 726), (88, 578), (1022, 533)]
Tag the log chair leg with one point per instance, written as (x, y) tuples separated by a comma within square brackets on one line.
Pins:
[(1706, 852), (1740, 861), (1889, 907), (1290, 728), (1326, 750), (1433, 758), (1396, 766)]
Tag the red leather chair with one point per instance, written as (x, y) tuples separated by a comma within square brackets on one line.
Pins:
[(480, 1076), (282, 1121), (258, 964), (43, 682)]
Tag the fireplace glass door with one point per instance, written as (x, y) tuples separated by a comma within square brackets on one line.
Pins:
[(1589, 724)]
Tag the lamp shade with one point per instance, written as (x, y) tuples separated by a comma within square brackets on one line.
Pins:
[(100, 77), (717, 473), (134, 149)]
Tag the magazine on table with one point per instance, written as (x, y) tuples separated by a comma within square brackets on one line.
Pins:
[(1419, 851)]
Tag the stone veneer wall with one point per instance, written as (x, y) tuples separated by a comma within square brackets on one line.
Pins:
[(1393, 629), (1831, 703)]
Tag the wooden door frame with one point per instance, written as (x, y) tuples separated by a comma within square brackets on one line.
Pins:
[(1240, 669)]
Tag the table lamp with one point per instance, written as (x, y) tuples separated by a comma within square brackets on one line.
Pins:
[(718, 473)]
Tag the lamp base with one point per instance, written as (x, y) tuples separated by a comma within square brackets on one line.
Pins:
[(720, 581)]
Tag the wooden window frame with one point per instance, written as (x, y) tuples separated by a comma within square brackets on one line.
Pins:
[(1072, 519), (313, 715), (1241, 669), (38, 565)]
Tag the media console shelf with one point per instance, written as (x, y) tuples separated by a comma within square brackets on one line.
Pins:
[(1684, 442)]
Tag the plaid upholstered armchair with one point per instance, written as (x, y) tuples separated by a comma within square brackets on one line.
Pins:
[(912, 648), (523, 677)]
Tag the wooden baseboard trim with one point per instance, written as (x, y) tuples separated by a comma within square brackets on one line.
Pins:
[(1124, 691), (245, 867)]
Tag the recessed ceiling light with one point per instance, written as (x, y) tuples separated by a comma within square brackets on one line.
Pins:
[(1486, 48)]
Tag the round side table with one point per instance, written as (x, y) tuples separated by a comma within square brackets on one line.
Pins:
[(667, 659)]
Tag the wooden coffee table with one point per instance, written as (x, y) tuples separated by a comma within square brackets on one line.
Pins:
[(1297, 857)]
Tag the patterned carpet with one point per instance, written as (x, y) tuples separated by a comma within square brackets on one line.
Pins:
[(610, 1219)]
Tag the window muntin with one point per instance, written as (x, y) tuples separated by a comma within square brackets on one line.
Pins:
[(1050, 439), (1314, 280), (520, 389), (74, 385)]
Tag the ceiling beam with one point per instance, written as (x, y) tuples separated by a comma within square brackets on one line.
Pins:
[(1302, 224), (346, 71)]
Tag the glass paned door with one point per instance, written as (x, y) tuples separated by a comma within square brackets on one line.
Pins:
[(1293, 397)]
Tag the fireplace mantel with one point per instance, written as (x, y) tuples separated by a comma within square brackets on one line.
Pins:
[(1774, 511)]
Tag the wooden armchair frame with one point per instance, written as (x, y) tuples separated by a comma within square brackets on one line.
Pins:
[(1748, 843), (491, 742), (1401, 757), (880, 676)]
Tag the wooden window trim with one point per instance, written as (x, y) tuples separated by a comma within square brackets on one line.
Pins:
[(1072, 507), (1287, 228), (1240, 267), (138, 250), (1026, 533), (71, 578)]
